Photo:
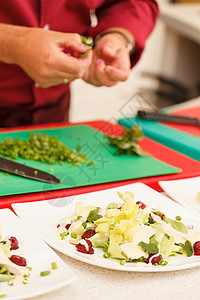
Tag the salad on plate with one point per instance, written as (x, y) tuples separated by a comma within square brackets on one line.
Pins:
[(129, 231), (13, 267)]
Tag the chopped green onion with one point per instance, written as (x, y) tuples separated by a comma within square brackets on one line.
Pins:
[(122, 262), (163, 262), (178, 218), (54, 265), (63, 234), (25, 281), (45, 273), (84, 224), (41, 147), (106, 255), (10, 283), (73, 235)]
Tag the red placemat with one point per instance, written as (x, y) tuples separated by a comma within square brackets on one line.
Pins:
[(190, 167)]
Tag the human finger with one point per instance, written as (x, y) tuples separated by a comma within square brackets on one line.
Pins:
[(72, 65), (116, 74), (101, 74)]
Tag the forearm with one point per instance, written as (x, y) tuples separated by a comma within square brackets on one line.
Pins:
[(10, 40)]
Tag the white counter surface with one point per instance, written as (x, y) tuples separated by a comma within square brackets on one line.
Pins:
[(182, 18), (95, 283)]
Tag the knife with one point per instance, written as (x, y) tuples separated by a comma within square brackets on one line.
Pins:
[(155, 116), (15, 168)]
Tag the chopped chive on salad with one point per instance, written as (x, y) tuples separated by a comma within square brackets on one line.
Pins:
[(13, 268), (42, 147), (129, 231)]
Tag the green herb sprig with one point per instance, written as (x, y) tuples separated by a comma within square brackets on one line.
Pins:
[(128, 143)]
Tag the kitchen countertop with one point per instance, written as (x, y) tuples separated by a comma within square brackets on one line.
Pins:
[(184, 18), (98, 283)]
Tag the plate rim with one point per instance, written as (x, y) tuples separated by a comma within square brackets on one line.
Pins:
[(80, 257)]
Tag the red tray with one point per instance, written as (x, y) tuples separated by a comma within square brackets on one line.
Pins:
[(189, 166)]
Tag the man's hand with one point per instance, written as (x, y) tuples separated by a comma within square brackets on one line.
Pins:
[(48, 57), (111, 61)]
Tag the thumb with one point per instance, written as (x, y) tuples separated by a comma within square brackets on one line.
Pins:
[(74, 42), (109, 50)]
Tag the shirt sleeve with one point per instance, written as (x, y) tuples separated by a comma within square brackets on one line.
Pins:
[(138, 16)]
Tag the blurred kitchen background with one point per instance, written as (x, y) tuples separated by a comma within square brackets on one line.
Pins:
[(168, 72)]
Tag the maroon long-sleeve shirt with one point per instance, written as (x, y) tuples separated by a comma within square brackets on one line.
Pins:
[(21, 102)]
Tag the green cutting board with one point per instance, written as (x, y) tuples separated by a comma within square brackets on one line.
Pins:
[(108, 167)]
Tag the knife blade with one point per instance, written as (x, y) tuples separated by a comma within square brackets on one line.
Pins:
[(15, 168)]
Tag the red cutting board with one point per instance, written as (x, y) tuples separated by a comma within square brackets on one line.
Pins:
[(193, 112), (190, 167)]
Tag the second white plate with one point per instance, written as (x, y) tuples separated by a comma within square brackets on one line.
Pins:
[(44, 216), (39, 257), (184, 191)]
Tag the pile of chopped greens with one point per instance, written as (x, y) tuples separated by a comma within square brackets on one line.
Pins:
[(128, 143), (41, 147)]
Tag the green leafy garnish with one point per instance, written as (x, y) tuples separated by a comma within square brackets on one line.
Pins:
[(127, 144), (101, 244), (187, 247), (94, 215), (151, 220), (150, 248), (177, 225), (84, 224)]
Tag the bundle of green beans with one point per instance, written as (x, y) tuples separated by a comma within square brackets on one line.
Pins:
[(41, 147)]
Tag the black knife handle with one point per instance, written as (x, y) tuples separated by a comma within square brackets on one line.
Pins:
[(155, 116)]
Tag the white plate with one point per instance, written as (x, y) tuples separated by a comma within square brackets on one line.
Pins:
[(38, 255), (44, 216), (184, 191)]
